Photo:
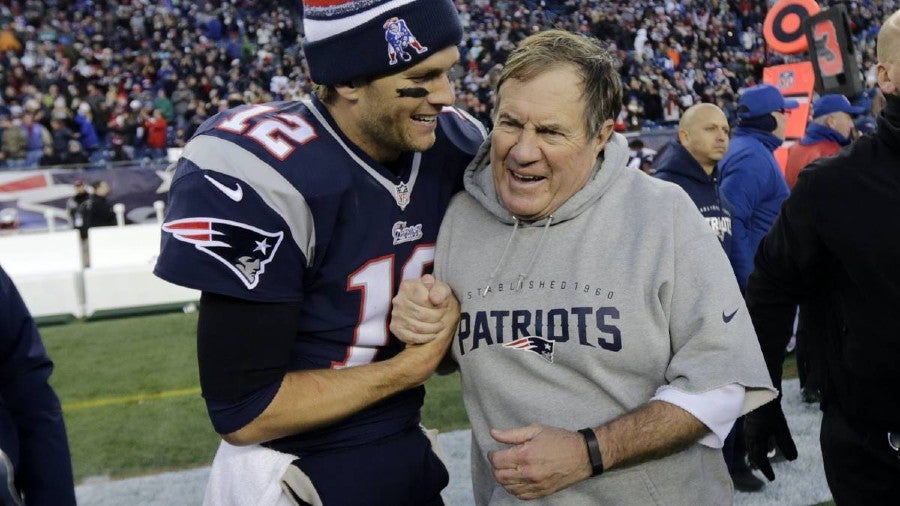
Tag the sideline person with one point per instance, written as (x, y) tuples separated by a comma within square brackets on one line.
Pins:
[(297, 221), (691, 162), (604, 347), (832, 127), (826, 246), (34, 449), (751, 177)]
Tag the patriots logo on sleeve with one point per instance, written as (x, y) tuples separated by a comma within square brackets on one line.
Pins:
[(542, 347), (244, 249)]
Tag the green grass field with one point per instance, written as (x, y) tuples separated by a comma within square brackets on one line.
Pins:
[(131, 395)]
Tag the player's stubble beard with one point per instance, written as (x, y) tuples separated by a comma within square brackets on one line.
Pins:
[(391, 132)]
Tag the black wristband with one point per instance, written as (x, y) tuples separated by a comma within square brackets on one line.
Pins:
[(593, 448)]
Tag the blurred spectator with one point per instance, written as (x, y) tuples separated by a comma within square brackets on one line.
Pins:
[(181, 99), (87, 134), (8, 40), (12, 144), (168, 54), (75, 154), (123, 125), (100, 111), (164, 105), (50, 157), (36, 138), (155, 128), (118, 152), (60, 135)]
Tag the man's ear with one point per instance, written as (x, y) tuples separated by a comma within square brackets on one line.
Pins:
[(606, 131), (348, 91), (884, 79)]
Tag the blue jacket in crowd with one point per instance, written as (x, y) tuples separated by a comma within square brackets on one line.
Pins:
[(676, 165), (754, 184), (32, 433), (818, 133)]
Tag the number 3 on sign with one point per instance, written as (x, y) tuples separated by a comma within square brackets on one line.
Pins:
[(375, 280), (272, 133)]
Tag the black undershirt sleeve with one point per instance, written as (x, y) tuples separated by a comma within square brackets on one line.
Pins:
[(243, 346)]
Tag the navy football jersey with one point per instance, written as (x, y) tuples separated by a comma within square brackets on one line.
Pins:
[(271, 203)]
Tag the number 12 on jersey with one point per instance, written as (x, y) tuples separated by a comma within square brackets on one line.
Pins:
[(375, 280)]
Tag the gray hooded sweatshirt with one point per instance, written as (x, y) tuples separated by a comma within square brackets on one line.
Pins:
[(579, 318)]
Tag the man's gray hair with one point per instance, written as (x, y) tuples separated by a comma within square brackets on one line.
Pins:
[(552, 49)]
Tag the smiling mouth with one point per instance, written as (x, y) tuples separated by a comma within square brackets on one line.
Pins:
[(524, 178), (429, 120)]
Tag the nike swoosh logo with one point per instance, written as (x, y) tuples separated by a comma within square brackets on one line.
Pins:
[(235, 194), (727, 318)]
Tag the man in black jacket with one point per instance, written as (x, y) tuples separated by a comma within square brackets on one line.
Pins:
[(838, 237), (100, 213)]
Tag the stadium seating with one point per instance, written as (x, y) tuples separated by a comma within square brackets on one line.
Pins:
[(47, 270), (120, 275)]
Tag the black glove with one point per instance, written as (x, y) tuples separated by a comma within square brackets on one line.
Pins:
[(760, 427)]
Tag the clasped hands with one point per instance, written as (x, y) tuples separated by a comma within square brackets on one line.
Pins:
[(423, 310)]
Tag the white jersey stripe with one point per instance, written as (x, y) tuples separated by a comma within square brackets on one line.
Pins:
[(383, 181), (210, 153)]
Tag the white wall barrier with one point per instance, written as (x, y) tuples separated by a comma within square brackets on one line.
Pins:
[(120, 275), (47, 270)]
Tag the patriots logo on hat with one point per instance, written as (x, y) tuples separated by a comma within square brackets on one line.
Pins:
[(542, 347), (243, 248), (399, 39)]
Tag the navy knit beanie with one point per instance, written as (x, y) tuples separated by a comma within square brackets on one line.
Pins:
[(352, 39)]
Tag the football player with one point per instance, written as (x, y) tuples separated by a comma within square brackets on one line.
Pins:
[(297, 221)]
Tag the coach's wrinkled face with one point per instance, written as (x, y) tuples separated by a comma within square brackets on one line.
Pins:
[(541, 153)]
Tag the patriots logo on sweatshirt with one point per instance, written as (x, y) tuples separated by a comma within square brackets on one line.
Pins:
[(243, 248), (542, 347)]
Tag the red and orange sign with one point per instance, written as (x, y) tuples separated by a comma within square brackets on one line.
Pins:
[(795, 81), (783, 26)]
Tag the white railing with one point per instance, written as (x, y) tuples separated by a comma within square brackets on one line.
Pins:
[(60, 275)]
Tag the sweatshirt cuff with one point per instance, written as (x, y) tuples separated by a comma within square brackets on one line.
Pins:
[(717, 409)]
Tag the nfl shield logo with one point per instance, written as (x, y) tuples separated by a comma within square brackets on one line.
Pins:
[(786, 79), (402, 195)]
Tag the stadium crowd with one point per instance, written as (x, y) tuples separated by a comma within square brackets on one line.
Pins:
[(90, 82)]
